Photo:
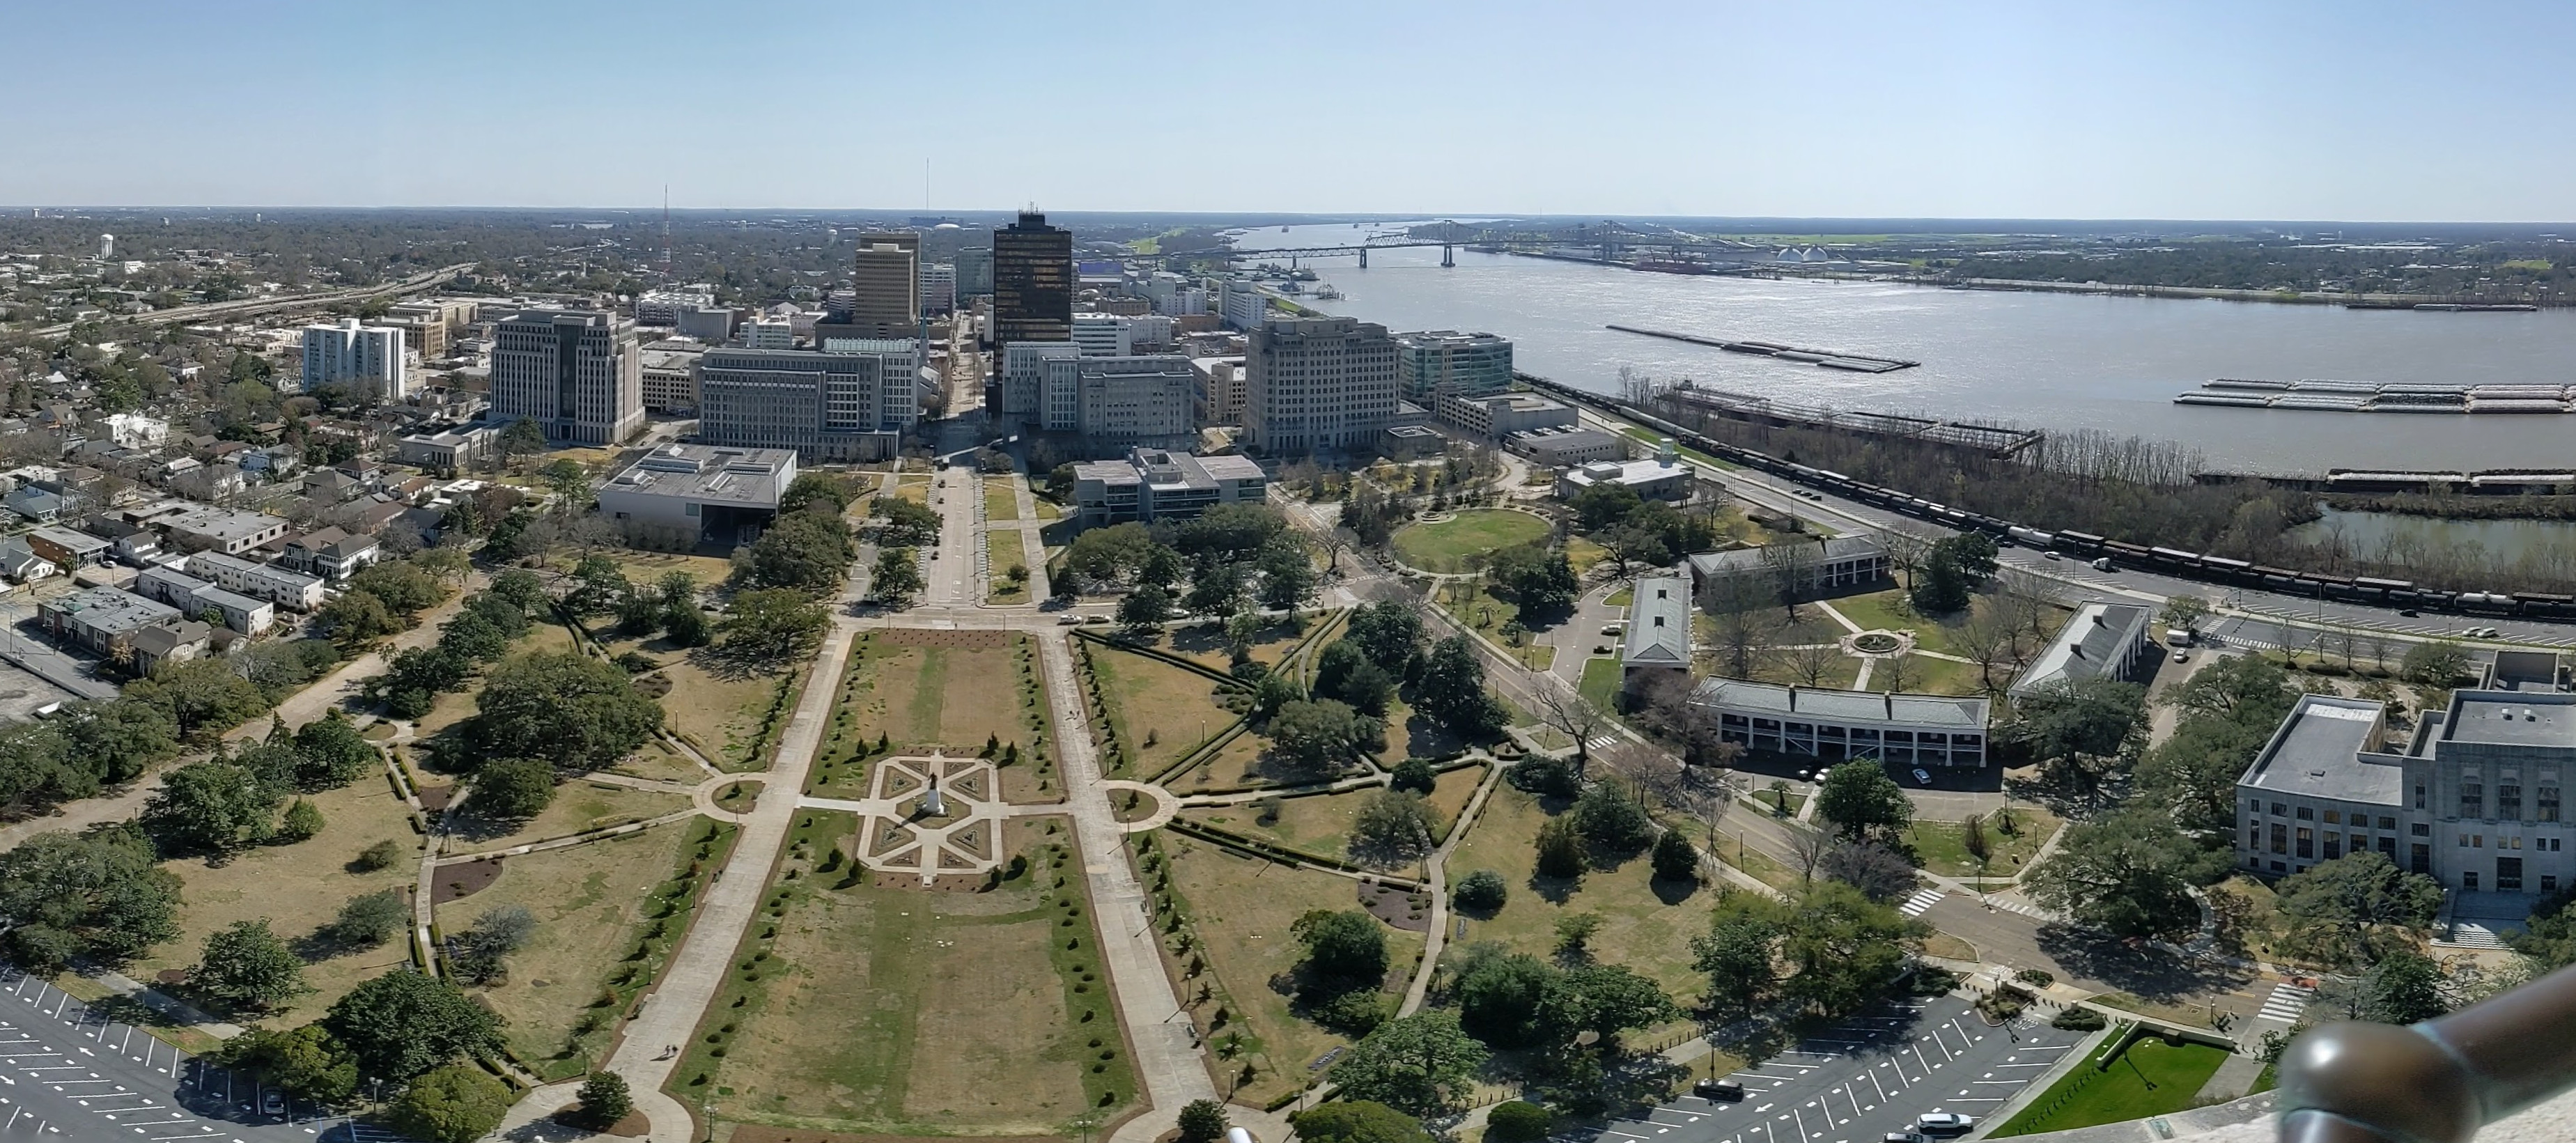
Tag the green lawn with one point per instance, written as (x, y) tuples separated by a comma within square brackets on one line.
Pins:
[(1445, 546), (1943, 846), (1601, 680), (2150, 1078), (1621, 598), (1925, 675), (1478, 607)]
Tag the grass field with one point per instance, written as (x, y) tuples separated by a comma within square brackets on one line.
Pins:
[(952, 1013), (1321, 824), (1448, 545), (578, 805), (1205, 644), (589, 901), (1478, 607), (1888, 610), (1000, 502), (650, 567), (1645, 925), (720, 716), (958, 696), (1923, 674), (299, 888), (2086, 1096), (1160, 712), (1240, 908), (1944, 850), (1602, 679)]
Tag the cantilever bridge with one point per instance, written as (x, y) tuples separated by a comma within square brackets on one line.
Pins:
[(1610, 240)]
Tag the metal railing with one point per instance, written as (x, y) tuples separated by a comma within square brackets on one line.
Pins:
[(2434, 1082)]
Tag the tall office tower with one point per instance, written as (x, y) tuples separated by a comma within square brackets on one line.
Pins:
[(938, 287), (851, 402), (368, 357), (886, 286), (974, 271), (1032, 281), (1446, 362), (1318, 385), (577, 373)]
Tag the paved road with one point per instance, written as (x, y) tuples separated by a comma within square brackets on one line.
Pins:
[(1869, 1075), (69, 1073)]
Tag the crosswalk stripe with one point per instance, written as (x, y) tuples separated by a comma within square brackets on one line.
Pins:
[(1921, 900), (2286, 1002)]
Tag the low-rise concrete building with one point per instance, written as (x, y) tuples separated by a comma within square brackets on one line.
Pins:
[(1831, 726), (292, 590), (195, 597), (1663, 478), (2100, 641), (1567, 447), (1658, 639), (69, 548), (1498, 415), (330, 554), (204, 528), (102, 619), (1158, 484), (447, 449), (1828, 565), (695, 493)]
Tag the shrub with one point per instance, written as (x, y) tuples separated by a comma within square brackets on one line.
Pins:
[(1354, 1013), (2038, 977), (378, 856), (1482, 891), (1518, 1121), (2079, 1020)]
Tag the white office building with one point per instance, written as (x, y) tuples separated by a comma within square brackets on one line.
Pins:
[(577, 373), (768, 333), (1318, 385), (1104, 335), (666, 307), (368, 358), (292, 590), (1444, 362), (851, 402), (1243, 305), (938, 287)]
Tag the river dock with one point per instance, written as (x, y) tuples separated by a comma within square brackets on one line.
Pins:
[(1823, 358), (2325, 396)]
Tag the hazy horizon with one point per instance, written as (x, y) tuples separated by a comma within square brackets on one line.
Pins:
[(2165, 113)]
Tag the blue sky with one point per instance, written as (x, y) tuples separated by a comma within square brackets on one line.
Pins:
[(2245, 110)]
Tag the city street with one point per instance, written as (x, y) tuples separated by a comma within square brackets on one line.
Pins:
[(1857, 1080), (67, 1071)]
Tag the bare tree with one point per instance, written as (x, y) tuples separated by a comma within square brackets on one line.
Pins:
[(1570, 713), (1745, 625), (1807, 848), (1811, 663), (1989, 641), (2029, 599), (1892, 670), (1666, 710), (1792, 565), (1906, 552)]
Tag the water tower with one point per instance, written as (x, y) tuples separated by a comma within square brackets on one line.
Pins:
[(106, 247)]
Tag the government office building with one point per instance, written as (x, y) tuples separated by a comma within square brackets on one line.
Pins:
[(2475, 800)]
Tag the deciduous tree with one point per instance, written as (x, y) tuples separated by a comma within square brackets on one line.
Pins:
[(245, 965)]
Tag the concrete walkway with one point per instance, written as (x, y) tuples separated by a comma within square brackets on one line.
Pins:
[(1163, 1039), (671, 1012), (1435, 876)]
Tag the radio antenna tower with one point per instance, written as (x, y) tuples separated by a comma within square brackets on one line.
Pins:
[(666, 234)]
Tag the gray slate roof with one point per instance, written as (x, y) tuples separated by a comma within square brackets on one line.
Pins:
[(1845, 706), (1659, 623)]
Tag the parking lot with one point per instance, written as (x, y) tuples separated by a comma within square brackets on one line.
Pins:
[(69, 1073), (1860, 1079)]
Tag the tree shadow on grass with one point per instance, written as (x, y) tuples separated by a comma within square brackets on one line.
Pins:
[(2143, 971), (1554, 890), (735, 665), (1673, 891)]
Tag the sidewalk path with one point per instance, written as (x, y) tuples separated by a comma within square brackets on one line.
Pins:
[(1165, 1042)]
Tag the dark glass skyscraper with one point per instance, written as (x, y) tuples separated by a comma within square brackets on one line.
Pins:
[(1032, 281)]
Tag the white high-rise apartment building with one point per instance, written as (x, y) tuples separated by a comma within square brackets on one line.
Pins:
[(369, 357), (1318, 385), (577, 373), (1244, 306)]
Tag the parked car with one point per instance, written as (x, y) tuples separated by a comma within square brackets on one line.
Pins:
[(2181, 656), (272, 1102), (1943, 1121), (1718, 1089), (1922, 777), (2050, 556), (1905, 1137)]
